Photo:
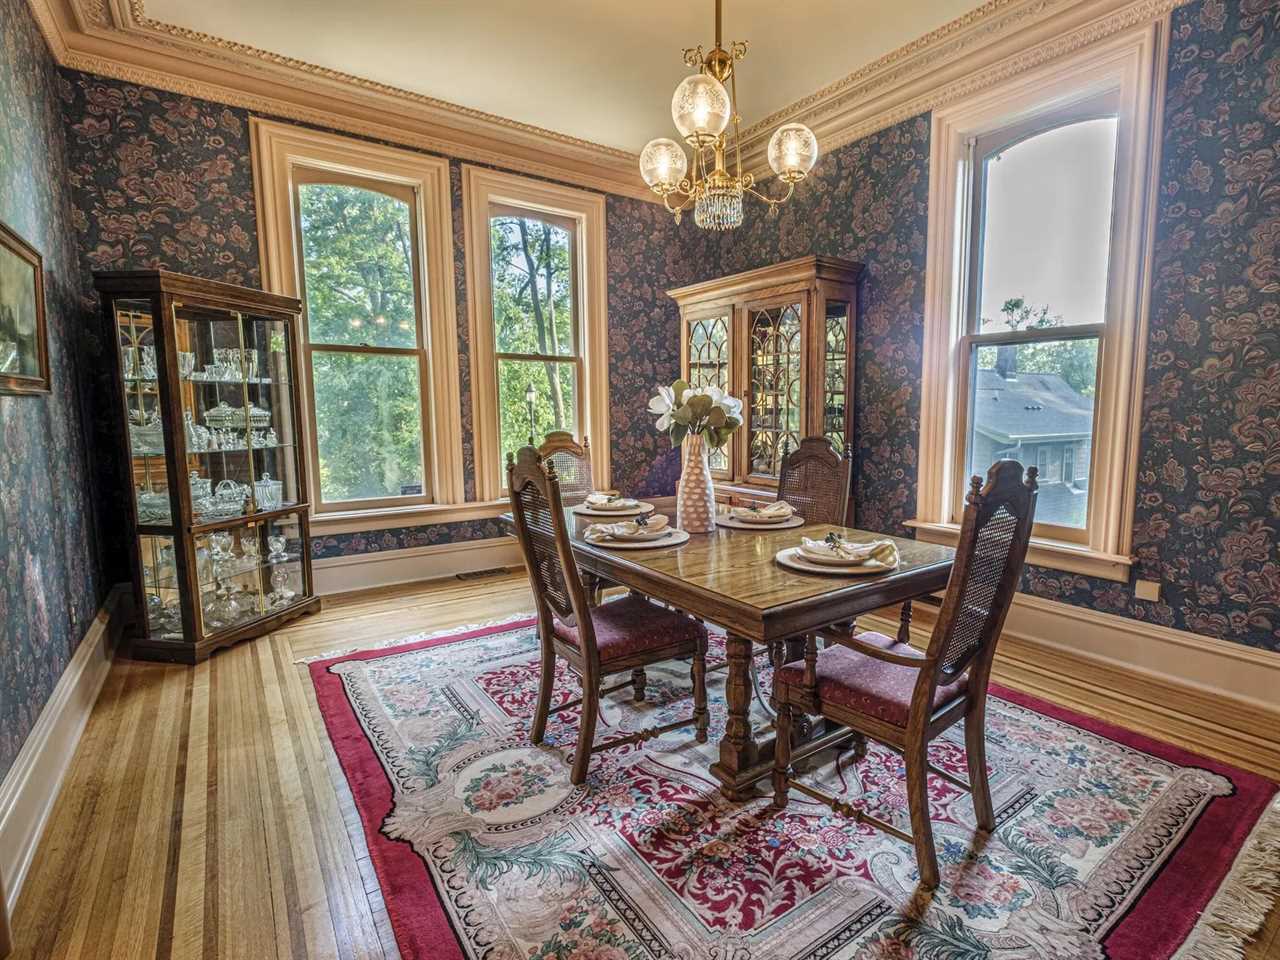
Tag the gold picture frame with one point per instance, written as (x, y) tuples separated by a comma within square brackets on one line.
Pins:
[(24, 336)]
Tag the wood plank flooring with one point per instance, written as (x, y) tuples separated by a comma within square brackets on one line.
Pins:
[(203, 815)]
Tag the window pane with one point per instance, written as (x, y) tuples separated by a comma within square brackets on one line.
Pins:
[(1034, 403), (533, 288), (709, 366), (774, 338), (357, 263), (555, 401), (1046, 234), (368, 425)]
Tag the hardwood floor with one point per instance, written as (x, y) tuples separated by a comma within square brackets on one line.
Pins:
[(202, 816)]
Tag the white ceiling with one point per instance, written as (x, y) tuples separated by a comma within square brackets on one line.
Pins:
[(602, 70)]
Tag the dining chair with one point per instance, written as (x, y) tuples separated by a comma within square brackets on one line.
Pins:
[(815, 480), (621, 636), (572, 461), (886, 690)]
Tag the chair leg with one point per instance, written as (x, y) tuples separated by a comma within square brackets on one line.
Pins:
[(975, 744), (638, 680), (586, 732), (916, 757), (546, 681), (698, 674), (782, 757)]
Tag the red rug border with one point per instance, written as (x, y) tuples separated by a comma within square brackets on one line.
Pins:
[(1155, 926)]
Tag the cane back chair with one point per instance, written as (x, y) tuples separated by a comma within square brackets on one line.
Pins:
[(572, 463), (815, 480), (884, 689), (622, 636)]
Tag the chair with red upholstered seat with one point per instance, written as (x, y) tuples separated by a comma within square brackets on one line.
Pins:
[(886, 690), (596, 641)]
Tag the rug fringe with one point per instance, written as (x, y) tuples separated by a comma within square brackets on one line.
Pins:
[(418, 637), (1249, 892)]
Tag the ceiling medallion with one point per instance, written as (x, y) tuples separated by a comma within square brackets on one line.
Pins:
[(702, 109)]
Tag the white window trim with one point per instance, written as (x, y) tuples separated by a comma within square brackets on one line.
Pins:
[(481, 189), (279, 148), (1132, 62)]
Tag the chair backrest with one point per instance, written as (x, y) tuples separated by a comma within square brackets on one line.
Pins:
[(544, 539), (572, 463), (994, 534), (815, 480)]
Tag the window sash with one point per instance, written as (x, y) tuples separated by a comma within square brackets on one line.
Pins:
[(302, 174), (498, 211)]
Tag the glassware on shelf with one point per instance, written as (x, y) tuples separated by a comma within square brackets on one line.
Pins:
[(146, 434), (276, 546), (249, 547), (268, 493), (186, 364), (147, 356), (153, 507), (281, 594), (200, 486), (220, 545), (129, 362)]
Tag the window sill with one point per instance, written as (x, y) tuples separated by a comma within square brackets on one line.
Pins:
[(360, 521), (1054, 554)]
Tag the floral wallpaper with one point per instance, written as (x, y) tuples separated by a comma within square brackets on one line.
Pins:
[(162, 179), (868, 202), (51, 579), (1207, 517)]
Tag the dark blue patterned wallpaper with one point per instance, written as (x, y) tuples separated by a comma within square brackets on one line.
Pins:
[(161, 178), (1208, 501), (50, 570)]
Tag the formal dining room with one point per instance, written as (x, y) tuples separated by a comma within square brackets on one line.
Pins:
[(701, 480)]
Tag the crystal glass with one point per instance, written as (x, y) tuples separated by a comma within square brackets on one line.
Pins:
[(220, 544), (793, 150), (276, 545), (700, 108), (719, 207), (663, 164)]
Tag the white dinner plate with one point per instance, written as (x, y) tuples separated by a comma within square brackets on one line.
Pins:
[(644, 534), (676, 538), (791, 557), (736, 524), (583, 510)]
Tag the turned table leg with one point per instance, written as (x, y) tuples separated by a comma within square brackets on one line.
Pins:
[(738, 749)]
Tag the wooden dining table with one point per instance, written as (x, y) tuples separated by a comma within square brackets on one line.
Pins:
[(730, 578)]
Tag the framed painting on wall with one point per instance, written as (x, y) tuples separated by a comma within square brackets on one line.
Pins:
[(24, 342)]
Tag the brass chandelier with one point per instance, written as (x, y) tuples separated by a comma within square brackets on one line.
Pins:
[(703, 108)]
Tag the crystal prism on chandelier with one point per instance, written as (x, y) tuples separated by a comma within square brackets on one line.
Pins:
[(703, 109)]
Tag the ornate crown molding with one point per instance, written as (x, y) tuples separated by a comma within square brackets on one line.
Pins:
[(993, 42)]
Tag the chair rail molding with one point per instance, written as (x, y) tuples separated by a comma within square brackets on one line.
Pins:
[(30, 789)]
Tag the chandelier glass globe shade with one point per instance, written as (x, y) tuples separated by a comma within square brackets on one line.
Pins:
[(663, 164), (700, 108), (793, 150)]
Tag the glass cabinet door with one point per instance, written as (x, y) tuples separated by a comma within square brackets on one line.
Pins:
[(774, 363), (835, 368), (247, 571), (240, 440), (709, 364), (135, 331)]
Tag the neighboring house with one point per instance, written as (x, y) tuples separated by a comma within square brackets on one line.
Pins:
[(1040, 419)]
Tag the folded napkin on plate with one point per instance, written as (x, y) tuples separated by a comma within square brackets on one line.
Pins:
[(778, 510), (882, 551), (609, 501), (626, 530)]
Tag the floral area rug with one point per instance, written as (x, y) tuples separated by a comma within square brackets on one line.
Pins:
[(1109, 845)]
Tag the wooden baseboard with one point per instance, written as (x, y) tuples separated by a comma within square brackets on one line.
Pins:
[(30, 788), (1210, 696), (366, 571)]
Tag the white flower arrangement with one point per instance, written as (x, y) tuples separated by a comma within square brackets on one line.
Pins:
[(708, 412)]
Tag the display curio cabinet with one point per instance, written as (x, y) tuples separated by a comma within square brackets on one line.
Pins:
[(781, 339), (207, 376)]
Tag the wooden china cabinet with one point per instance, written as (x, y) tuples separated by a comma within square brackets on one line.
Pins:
[(781, 339), (207, 383)]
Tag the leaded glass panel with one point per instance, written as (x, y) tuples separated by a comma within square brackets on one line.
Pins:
[(775, 362)]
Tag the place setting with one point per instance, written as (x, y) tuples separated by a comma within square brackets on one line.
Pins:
[(835, 555), (778, 515), (601, 504), (646, 531)]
